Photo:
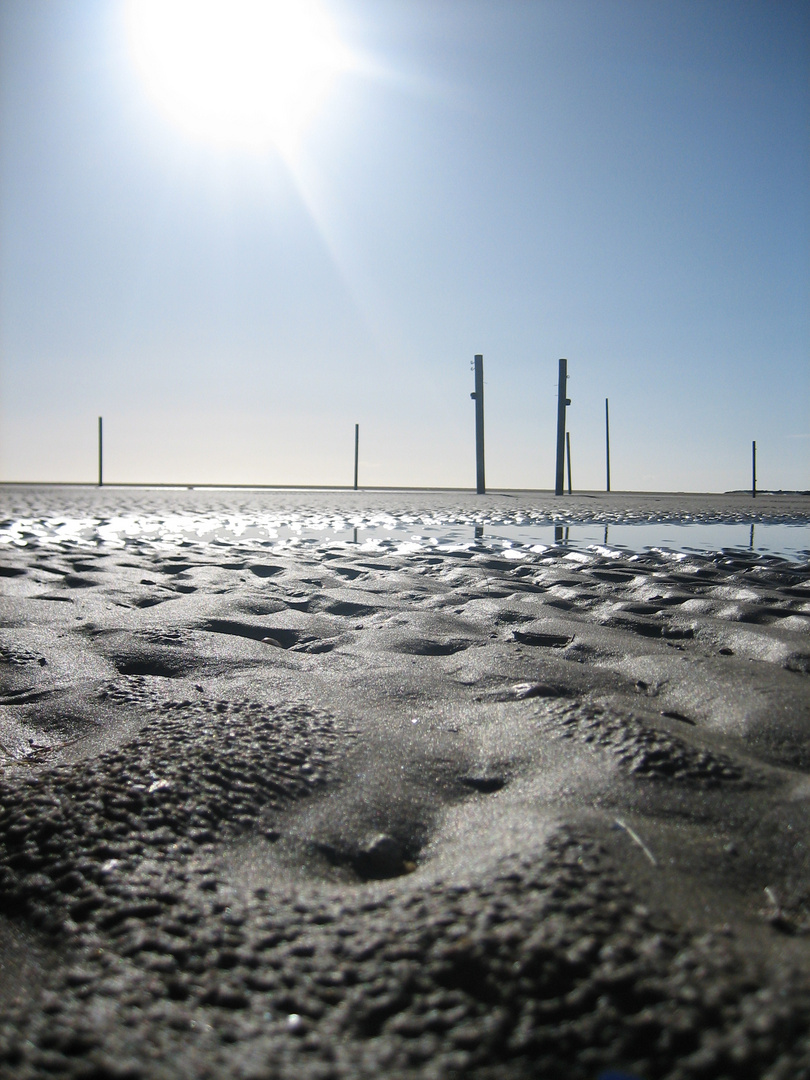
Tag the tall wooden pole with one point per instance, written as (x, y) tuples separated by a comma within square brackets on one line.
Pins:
[(607, 445), (754, 469), (356, 452), (478, 398), (568, 455), (100, 454), (562, 401)]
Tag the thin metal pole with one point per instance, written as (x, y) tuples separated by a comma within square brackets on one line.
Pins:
[(568, 449), (562, 401), (356, 452), (100, 454), (607, 444), (754, 469), (478, 398)]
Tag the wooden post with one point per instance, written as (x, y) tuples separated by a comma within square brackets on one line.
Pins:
[(562, 401), (607, 445), (478, 398), (356, 452), (568, 449), (754, 469), (100, 454)]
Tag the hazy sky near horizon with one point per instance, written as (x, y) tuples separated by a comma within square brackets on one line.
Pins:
[(620, 182)]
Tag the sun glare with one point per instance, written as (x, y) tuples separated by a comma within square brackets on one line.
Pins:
[(237, 72)]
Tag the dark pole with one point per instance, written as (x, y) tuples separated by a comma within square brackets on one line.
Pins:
[(478, 398), (568, 449), (100, 454), (356, 452), (607, 444), (562, 401), (754, 469)]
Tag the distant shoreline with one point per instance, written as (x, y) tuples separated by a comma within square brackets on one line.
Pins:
[(545, 492)]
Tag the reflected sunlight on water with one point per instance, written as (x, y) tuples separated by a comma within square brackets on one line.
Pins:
[(513, 538)]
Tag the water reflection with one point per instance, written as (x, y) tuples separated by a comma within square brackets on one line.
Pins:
[(515, 536)]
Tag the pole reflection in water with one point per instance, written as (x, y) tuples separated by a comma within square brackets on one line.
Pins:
[(355, 534), (560, 534), (751, 538), (479, 532), (606, 532)]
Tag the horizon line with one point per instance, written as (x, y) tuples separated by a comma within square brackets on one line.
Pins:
[(585, 492)]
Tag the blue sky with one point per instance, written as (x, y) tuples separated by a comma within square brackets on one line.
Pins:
[(621, 183)]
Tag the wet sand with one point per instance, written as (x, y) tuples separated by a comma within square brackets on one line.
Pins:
[(336, 811)]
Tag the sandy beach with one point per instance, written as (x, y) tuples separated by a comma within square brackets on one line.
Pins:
[(282, 807)]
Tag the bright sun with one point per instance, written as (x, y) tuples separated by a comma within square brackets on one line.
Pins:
[(237, 72)]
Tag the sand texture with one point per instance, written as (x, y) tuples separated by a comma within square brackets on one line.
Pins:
[(331, 811)]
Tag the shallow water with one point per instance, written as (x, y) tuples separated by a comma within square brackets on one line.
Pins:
[(514, 537), (785, 541)]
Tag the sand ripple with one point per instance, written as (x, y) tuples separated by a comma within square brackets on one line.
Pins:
[(306, 810)]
